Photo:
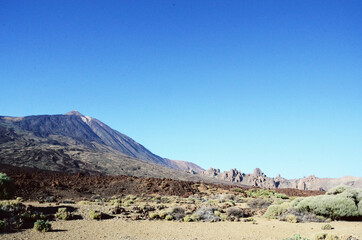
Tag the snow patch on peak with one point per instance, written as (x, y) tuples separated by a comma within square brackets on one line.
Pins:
[(86, 119), (76, 113)]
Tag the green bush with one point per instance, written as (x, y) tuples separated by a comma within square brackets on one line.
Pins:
[(274, 211), (347, 191), (116, 202), (63, 214), (128, 203), (169, 217), (223, 217), (258, 192), (42, 226), (162, 214), (7, 187), (95, 215), (153, 215), (191, 218), (3, 226), (327, 227), (296, 201), (187, 218), (333, 206), (195, 217), (341, 202), (338, 190), (15, 215)]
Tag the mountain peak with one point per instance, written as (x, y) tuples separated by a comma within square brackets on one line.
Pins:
[(76, 113), (257, 172)]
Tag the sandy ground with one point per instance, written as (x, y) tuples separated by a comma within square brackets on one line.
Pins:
[(142, 230)]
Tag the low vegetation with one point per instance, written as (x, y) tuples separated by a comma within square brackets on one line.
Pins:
[(213, 206), (327, 227), (274, 211), (342, 202), (258, 192), (259, 203), (95, 215), (42, 226), (14, 215), (7, 187), (322, 236), (296, 237), (63, 214)]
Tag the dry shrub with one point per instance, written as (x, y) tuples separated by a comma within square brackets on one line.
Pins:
[(327, 227), (300, 216), (259, 203), (207, 214), (178, 213), (235, 212), (291, 218)]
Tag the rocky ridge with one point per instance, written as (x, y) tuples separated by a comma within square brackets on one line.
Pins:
[(259, 179)]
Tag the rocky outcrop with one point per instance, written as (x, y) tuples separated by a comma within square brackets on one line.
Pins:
[(211, 172), (259, 179), (232, 175)]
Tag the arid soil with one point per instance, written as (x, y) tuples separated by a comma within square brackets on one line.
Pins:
[(35, 184), (141, 198), (149, 230)]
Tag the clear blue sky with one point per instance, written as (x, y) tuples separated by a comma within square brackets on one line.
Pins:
[(228, 84)]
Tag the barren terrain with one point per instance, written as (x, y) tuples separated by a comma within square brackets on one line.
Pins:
[(149, 208), (34, 184), (149, 230)]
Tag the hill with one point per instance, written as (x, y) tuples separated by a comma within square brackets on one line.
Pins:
[(73, 142)]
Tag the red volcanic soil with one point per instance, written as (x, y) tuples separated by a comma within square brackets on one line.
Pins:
[(298, 193), (35, 184)]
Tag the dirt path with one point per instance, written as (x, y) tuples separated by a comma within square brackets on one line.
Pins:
[(162, 230)]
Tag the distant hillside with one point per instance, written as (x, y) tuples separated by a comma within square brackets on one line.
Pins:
[(186, 166), (259, 179), (73, 142)]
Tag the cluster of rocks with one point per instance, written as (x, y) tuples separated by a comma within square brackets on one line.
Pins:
[(259, 179)]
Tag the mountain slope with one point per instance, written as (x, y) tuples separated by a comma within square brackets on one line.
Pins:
[(70, 140), (186, 166)]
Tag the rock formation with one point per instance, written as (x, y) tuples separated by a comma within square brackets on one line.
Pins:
[(259, 179)]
